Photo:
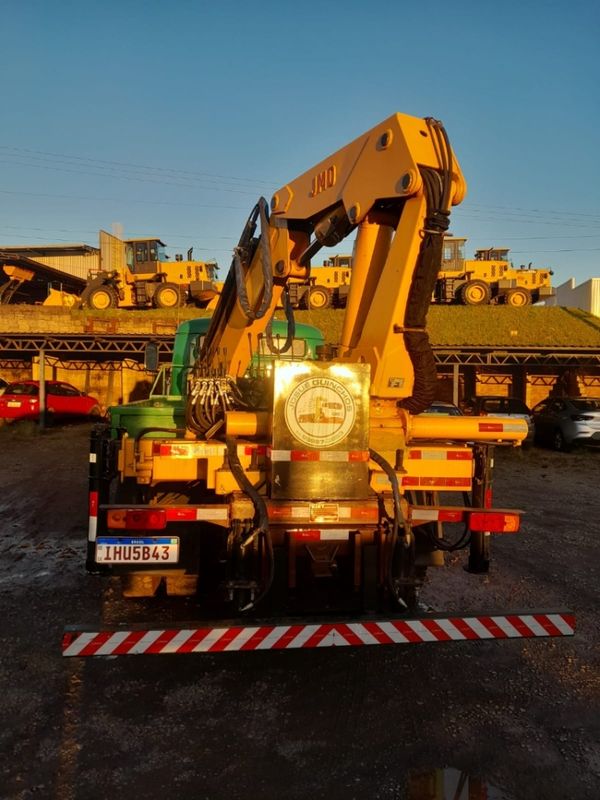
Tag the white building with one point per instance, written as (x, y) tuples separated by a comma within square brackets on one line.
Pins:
[(585, 296)]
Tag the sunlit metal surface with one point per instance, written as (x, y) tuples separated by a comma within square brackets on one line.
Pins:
[(320, 431)]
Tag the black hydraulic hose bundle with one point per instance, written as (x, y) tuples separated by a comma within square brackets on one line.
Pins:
[(205, 410), (241, 258), (397, 521), (261, 520), (208, 402), (291, 327), (437, 186), (443, 544)]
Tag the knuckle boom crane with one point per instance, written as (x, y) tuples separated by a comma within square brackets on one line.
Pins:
[(295, 490)]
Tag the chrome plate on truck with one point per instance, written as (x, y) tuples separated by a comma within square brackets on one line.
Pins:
[(137, 549)]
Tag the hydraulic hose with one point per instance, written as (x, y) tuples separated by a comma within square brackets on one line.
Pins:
[(240, 257), (291, 327), (261, 515), (437, 186), (398, 521)]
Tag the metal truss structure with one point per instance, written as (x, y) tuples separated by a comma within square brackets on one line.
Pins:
[(533, 356), (104, 349)]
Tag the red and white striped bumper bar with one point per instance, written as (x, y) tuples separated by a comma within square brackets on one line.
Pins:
[(220, 638)]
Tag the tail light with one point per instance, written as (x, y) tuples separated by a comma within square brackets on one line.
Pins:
[(494, 522), (137, 519)]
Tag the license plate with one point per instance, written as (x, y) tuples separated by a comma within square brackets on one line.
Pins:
[(14, 404), (137, 550)]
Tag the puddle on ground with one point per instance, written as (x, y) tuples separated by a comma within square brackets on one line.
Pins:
[(450, 784)]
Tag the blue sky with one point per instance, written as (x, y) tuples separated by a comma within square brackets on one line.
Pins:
[(171, 118)]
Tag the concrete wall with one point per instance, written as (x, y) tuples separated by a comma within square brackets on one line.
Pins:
[(111, 383)]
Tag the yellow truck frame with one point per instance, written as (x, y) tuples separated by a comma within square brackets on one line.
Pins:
[(274, 516)]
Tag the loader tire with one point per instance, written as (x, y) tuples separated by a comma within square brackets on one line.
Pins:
[(518, 297), (474, 293), (318, 297), (167, 295), (101, 298)]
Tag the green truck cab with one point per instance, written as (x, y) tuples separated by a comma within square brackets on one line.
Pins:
[(163, 411)]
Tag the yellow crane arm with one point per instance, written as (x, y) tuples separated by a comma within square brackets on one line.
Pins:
[(395, 184)]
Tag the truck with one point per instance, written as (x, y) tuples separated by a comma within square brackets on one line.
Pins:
[(327, 286), (490, 277), (122, 273), (291, 527), (135, 273)]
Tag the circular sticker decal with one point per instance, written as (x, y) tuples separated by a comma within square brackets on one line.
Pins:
[(320, 412)]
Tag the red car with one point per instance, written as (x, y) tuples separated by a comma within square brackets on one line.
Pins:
[(20, 400)]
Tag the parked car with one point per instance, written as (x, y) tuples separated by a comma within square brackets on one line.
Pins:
[(21, 401), (503, 406), (564, 422), (442, 407)]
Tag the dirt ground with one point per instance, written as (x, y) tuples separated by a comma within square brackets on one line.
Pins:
[(518, 720)]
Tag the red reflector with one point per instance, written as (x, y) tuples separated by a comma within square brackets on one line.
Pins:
[(358, 455), (415, 454), (459, 455), (93, 504), (365, 514), (491, 427), (142, 519), (445, 515), (307, 535), (282, 511), (494, 522), (260, 450), (178, 449), (464, 482), (304, 455), (176, 514), (488, 498)]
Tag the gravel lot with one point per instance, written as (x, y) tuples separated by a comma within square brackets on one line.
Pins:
[(522, 717)]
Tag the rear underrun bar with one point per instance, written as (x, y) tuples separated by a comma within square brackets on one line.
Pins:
[(230, 637)]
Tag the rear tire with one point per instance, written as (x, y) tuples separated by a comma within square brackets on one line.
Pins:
[(559, 442), (167, 295), (474, 293), (518, 297), (95, 413)]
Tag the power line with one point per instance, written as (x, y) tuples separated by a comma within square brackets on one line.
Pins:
[(136, 166), (191, 175), (126, 177), (133, 233), (516, 209), (121, 200)]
